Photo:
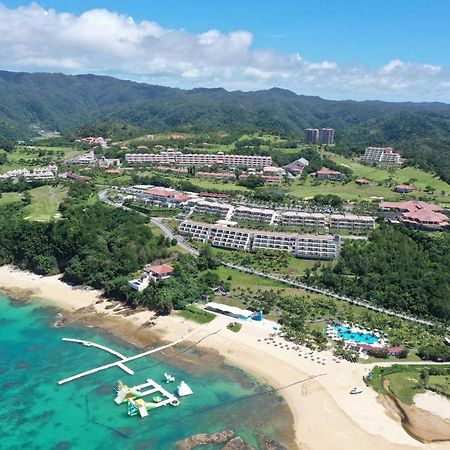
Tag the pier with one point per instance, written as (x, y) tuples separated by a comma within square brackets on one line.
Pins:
[(122, 359)]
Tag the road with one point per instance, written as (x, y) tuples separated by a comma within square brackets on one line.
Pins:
[(158, 221)]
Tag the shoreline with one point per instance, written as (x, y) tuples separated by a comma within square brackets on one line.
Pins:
[(325, 415)]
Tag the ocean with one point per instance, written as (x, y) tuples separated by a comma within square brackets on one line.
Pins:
[(37, 413)]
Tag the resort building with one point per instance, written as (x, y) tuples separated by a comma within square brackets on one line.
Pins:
[(85, 160), (159, 272), (362, 181), (203, 159), (417, 214), (160, 196), (222, 210), (302, 246), (328, 174), (303, 219), (296, 168), (94, 141), (351, 222), (39, 174), (312, 135), (404, 189), (151, 273), (380, 155), (272, 240), (311, 246), (327, 136), (243, 213)]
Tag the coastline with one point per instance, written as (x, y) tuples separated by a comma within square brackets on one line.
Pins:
[(325, 415)]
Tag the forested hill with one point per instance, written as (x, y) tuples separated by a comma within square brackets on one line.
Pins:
[(66, 102)]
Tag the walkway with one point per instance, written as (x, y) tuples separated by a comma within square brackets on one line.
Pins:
[(123, 359)]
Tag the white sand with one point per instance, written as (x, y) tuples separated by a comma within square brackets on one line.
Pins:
[(433, 403), (326, 416)]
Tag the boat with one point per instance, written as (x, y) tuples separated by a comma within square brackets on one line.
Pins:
[(183, 389), (157, 399), (355, 391)]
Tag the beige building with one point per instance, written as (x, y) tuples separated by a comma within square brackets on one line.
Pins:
[(351, 222), (303, 246), (204, 159), (254, 214), (303, 219)]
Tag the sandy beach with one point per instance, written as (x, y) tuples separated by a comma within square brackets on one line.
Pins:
[(326, 416)]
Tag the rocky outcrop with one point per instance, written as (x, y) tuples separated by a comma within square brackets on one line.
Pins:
[(271, 444), (238, 443), (202, 439)]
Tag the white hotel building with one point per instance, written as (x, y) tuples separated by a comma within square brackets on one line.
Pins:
[(334, 221), (303, 219), (254, 214), (203, 159), (351, 222), (381, 155), (303, 246)]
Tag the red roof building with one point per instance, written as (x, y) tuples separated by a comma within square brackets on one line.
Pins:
[(404, 188), (160, 272), (362, 181), (418, 214), (328, 174)]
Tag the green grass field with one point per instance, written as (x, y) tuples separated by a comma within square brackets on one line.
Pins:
[(197, 315), (36, 156), (419, 178), (44, 204), (9, 197)]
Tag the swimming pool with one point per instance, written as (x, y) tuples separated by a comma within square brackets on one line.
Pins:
[(362, 338)]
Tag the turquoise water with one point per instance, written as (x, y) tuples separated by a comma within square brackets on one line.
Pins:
[(37, 413), (362, 338)]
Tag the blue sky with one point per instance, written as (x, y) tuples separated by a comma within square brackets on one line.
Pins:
[(336, 41)]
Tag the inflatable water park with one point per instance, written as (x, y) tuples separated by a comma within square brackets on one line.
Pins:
[(134, 396)]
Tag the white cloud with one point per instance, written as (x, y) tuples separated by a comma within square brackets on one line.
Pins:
[(104, 42)]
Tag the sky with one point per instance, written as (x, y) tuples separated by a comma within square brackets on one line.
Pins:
[(341, 49)]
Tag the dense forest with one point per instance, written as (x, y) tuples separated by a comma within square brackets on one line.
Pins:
[(396, 268), (101, 247)]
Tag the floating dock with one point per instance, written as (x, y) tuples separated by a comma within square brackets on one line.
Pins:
[(122, 358)]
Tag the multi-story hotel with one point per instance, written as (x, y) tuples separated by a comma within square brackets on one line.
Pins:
[(335, 221), (217, 235), (254, 214), (303, 219), (302, 246), (351, 222), (311, 246), (38, 174), (312, 135), (327, 136), (381, 155), (222, 210), (204, 159)]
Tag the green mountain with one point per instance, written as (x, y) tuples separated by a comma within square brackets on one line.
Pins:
[(68, 103), (65, 102)]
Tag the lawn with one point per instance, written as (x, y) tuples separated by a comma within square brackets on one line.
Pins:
[(37, 156), (9, 197), (407, 381), (244, 280), (44, 204), (419, 178), (197, 315)]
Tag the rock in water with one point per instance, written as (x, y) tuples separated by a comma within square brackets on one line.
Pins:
[(203, 439), (238, 443)]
